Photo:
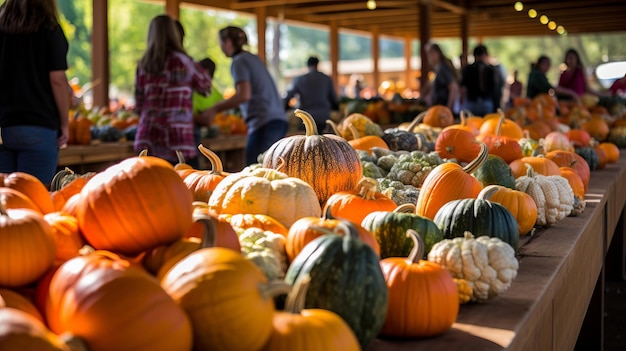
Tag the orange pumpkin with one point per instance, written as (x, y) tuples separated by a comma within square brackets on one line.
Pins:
[(322, 328), (79, 130), (611, 150), (135, 205), (306, 229), (603, 159), (578, 137), (438, 116), (67, 237), (366, 142), (449, 181), (223, 294), (18, 301), (355, 204), (504, 146), (574, 181), (425, 295), (458, 144), (30, 186), (506, 127), (60, 197), (521, 205), (597, 127), (21, 331), (107, 301), (27, 249), (15, 199), (541, 165), (203, 182), (573, 160), (465, 124)]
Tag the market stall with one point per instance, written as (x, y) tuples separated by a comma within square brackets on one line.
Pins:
[(97, 156), (559, 269)]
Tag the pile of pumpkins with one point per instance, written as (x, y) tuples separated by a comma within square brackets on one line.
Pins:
[(149, 256)]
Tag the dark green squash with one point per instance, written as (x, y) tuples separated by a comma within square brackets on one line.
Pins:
[(346, 278), (590, 155), (481, 217), (389, 229), (495, 171)]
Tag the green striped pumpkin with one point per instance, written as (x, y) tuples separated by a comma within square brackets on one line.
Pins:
[(346, 278), (478, 216), (389, 229), (327, 162), (495, 171)]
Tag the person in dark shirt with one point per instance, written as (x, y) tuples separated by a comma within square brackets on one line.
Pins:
[(34, 93), (445, 86), (479, 83), (538, 82), (316, 94)]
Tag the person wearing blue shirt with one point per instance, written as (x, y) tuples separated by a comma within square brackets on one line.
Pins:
[(255, 95)]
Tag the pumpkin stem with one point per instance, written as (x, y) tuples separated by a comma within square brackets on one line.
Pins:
[(309, 123), (74, 343), (530, 171), (478, 161), (539, 151), (327, 212), (3, 205), (367, 188), (467, 235), (216, 164), (180, 157), (415, 121), (417, 252), (333, 127), (273, 288), (488, 191), (499, 126), (463, 119), (86, 250), (296, 298), (143, 153), (405, 208), (209, 232), (354, 131)]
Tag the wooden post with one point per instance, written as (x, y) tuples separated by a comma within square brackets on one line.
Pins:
[(464, 39), (334, 54), (100, 53), (172, 8), (376, 56), (425, 14), (260, 28), (408, 77)]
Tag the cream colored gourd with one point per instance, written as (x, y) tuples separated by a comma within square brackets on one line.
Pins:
[(487, 264), (552, 194)]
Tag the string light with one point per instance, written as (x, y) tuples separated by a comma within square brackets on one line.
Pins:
[(532, 13), (552, 25), (371, 4), (560, 30), (518, 6), (544, 19)]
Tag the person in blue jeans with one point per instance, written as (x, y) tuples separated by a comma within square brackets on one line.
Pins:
[(34, 93), (255, 95)]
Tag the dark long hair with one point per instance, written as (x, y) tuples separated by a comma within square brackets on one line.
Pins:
[(444, 59), (28, 16), (163, 39), (236, 35)]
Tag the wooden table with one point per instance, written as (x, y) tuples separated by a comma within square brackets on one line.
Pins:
[(556, 301), (98, 156)]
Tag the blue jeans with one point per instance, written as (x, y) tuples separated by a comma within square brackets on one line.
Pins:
[(261, 139), (29, 149), (480, 106)]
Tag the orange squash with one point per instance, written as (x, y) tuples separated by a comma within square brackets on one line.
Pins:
[(521, 205), (542, 165), (203, 182), (611, 150), (504, 146), (438, 116), (506, 127), (30, 186), (67, 237), (573, 160), (355, 204), (449, 181), (457, 144)]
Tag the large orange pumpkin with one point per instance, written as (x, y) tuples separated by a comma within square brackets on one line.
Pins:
[(501, 145), (23, 332), (327, 162), (541, 165), (135, 205), (449, 181), (505, 126), (15, 199), (30, 186), (108, 301), (224, 294), (27, 249), (521, 205), (18, 301), (458, 144), (67, 237), (424, 301)]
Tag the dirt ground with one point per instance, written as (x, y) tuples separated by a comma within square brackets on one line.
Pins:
[(615, 316)]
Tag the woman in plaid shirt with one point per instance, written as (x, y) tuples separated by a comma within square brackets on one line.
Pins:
[(165, 79)]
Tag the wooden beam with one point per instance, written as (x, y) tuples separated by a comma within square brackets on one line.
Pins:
[(356, 14), (376, 56), (425, 11), (243, 5), (349, 6), (334, 53), (261, 25), (100, 70), (450, 7)]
